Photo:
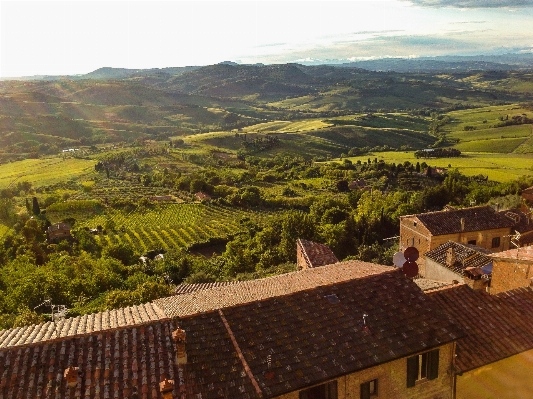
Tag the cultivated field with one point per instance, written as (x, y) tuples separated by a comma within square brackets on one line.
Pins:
[(499, 167)]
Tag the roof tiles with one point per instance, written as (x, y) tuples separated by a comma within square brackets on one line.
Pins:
[(495, 326), (316, 254), (465, 256), (255, 290), (87, 324), (522, 253), (475, 219)]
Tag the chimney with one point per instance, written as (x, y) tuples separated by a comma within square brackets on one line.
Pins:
[(450, 257), (462, 224), (166, 387), (179, 336), (71, 375)]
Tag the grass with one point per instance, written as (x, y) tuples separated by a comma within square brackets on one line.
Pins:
[(494, 145), (43, 172), (499, 167), (493, 133)]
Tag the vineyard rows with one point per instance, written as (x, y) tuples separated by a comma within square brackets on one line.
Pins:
[(172, 225), (108, 189)]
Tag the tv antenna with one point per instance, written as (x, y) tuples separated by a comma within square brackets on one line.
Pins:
[(58, 312)]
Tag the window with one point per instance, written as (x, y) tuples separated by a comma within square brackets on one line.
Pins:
[(422, 367), (324, 391), (472, 242), (369, 389), (495, 242)]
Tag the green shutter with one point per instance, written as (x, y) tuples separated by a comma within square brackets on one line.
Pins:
[(433, 364), (412, 371), (365, 390)]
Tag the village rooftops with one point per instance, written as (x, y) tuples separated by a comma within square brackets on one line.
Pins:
[(256, 290), (495, 326), (189, 288), (462, 220), (464, 256), (310, 336), (315, 254), (524, 254), (81, 325)]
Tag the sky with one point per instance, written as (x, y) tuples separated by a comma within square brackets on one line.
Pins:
[(77, 37)]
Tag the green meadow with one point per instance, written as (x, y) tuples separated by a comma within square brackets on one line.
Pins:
[(46, 171), (499, 167)]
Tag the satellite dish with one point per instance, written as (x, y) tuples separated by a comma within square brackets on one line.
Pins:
[(410, 269), (411, 254), (398, 259)]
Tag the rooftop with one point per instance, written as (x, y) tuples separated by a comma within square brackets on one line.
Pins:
[(82, 325), (256, 290), (495, 326), (304, 338), (316, 254), (466, 256), (522, 253), (188, 288), (467, 219)]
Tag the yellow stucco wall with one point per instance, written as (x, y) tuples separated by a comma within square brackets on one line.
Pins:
[(510, 378), (392, 381)]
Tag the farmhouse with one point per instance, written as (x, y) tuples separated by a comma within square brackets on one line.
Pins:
[(313, 254), (202, 197), (58, 232)]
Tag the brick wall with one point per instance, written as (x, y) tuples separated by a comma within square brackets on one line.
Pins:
[(508, 274), (392, 381)]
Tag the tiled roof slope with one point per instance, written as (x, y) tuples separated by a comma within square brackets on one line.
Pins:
[(522, 253), (123, 363), (475, 219), (465, 256), (426, 284), (81, 325), (495, 326), (255, 290), (521, 221), (292, 341), (316, 254), (188, 288)]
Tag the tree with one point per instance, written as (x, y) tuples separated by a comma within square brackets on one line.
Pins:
[(35, 207)]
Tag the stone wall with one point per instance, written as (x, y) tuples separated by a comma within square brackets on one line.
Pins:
[(392, 381), (508, 274)]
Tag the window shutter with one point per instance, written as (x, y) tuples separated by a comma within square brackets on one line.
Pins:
[(365, 390), (433, 364), (332, 390), (412, 371)]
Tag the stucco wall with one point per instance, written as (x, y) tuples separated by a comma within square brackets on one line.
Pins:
[(510, 378), (392, 381), (509, 274), (435, 271)]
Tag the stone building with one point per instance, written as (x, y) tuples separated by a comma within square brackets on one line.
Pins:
[(313, 254), (58, 232), (462, 263), (481, 226), (512, 269)]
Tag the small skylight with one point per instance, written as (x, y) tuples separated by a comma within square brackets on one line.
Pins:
[(332, 298)]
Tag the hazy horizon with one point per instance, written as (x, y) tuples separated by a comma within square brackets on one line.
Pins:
[(78, 37)]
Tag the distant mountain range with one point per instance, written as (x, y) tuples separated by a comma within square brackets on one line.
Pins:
[(502, 62)]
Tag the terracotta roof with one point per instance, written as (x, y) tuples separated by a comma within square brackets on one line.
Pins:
[(495, 326), (120, 363), (304, 338), (255, 290), (528, 190), (465, 256), (188, 288), (521, 221), (523, 253), (82, 325), (426, 284), (475, 219), (316, 254)]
